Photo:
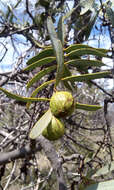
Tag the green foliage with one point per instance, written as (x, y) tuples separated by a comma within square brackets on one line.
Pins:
[(58, 49), (80, 46), (41, 74), (61, 26), (40, 63), (47, 52), (85, 51), (23, 99), (63, 72), (87, 107), (35, 92), (58, 59), (86, 77), (69, 66), (82, 63)]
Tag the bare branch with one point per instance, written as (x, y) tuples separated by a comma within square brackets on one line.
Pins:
[(55, 161), (6, 157), (29, 13), (11, 174)]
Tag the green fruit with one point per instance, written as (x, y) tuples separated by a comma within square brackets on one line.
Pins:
[(54, 130), (62, 104)]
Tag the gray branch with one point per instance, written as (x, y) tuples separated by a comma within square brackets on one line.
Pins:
[(55, 160), (6, 157)]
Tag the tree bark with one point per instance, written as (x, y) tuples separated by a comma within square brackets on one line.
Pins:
[(6, 157), (55, 161)]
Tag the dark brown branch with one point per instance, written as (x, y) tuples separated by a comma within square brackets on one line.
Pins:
[(74, 123), (108, 124), (29, 13), (4, 52), (103, 90), (80, 145), (13, 31)]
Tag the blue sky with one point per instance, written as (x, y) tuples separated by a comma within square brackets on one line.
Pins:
[(11, 57)]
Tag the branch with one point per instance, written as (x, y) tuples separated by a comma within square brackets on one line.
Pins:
[(4, 81), (5, 134), (79, 144), (71, 157), (10, 176), (55, 161), (10, 32), (108, 124), (98, 86), (6, 157), (4, 52), (29, 13)]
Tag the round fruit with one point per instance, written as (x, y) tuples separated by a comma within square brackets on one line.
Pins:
[(62, 104), (54, 130)]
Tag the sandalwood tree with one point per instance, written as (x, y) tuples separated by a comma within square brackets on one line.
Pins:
[(55, 127)]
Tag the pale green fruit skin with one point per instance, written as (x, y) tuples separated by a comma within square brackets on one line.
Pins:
[(54, 130), (62, 104)]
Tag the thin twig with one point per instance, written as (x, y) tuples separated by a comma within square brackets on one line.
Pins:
[(10, 177)]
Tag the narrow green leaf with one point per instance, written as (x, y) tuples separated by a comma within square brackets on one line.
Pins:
[(43, 54), (86, 77), (39, 63), (39, 75), (87, 107), (61, 26), (88, 28), (51, 29), (107, 185), (61, 30), (58, 49), (80, 46), (60, 61), (40, 125), (85, 51), (76, 47), (82, 63), (35, 92), (21, 98)]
